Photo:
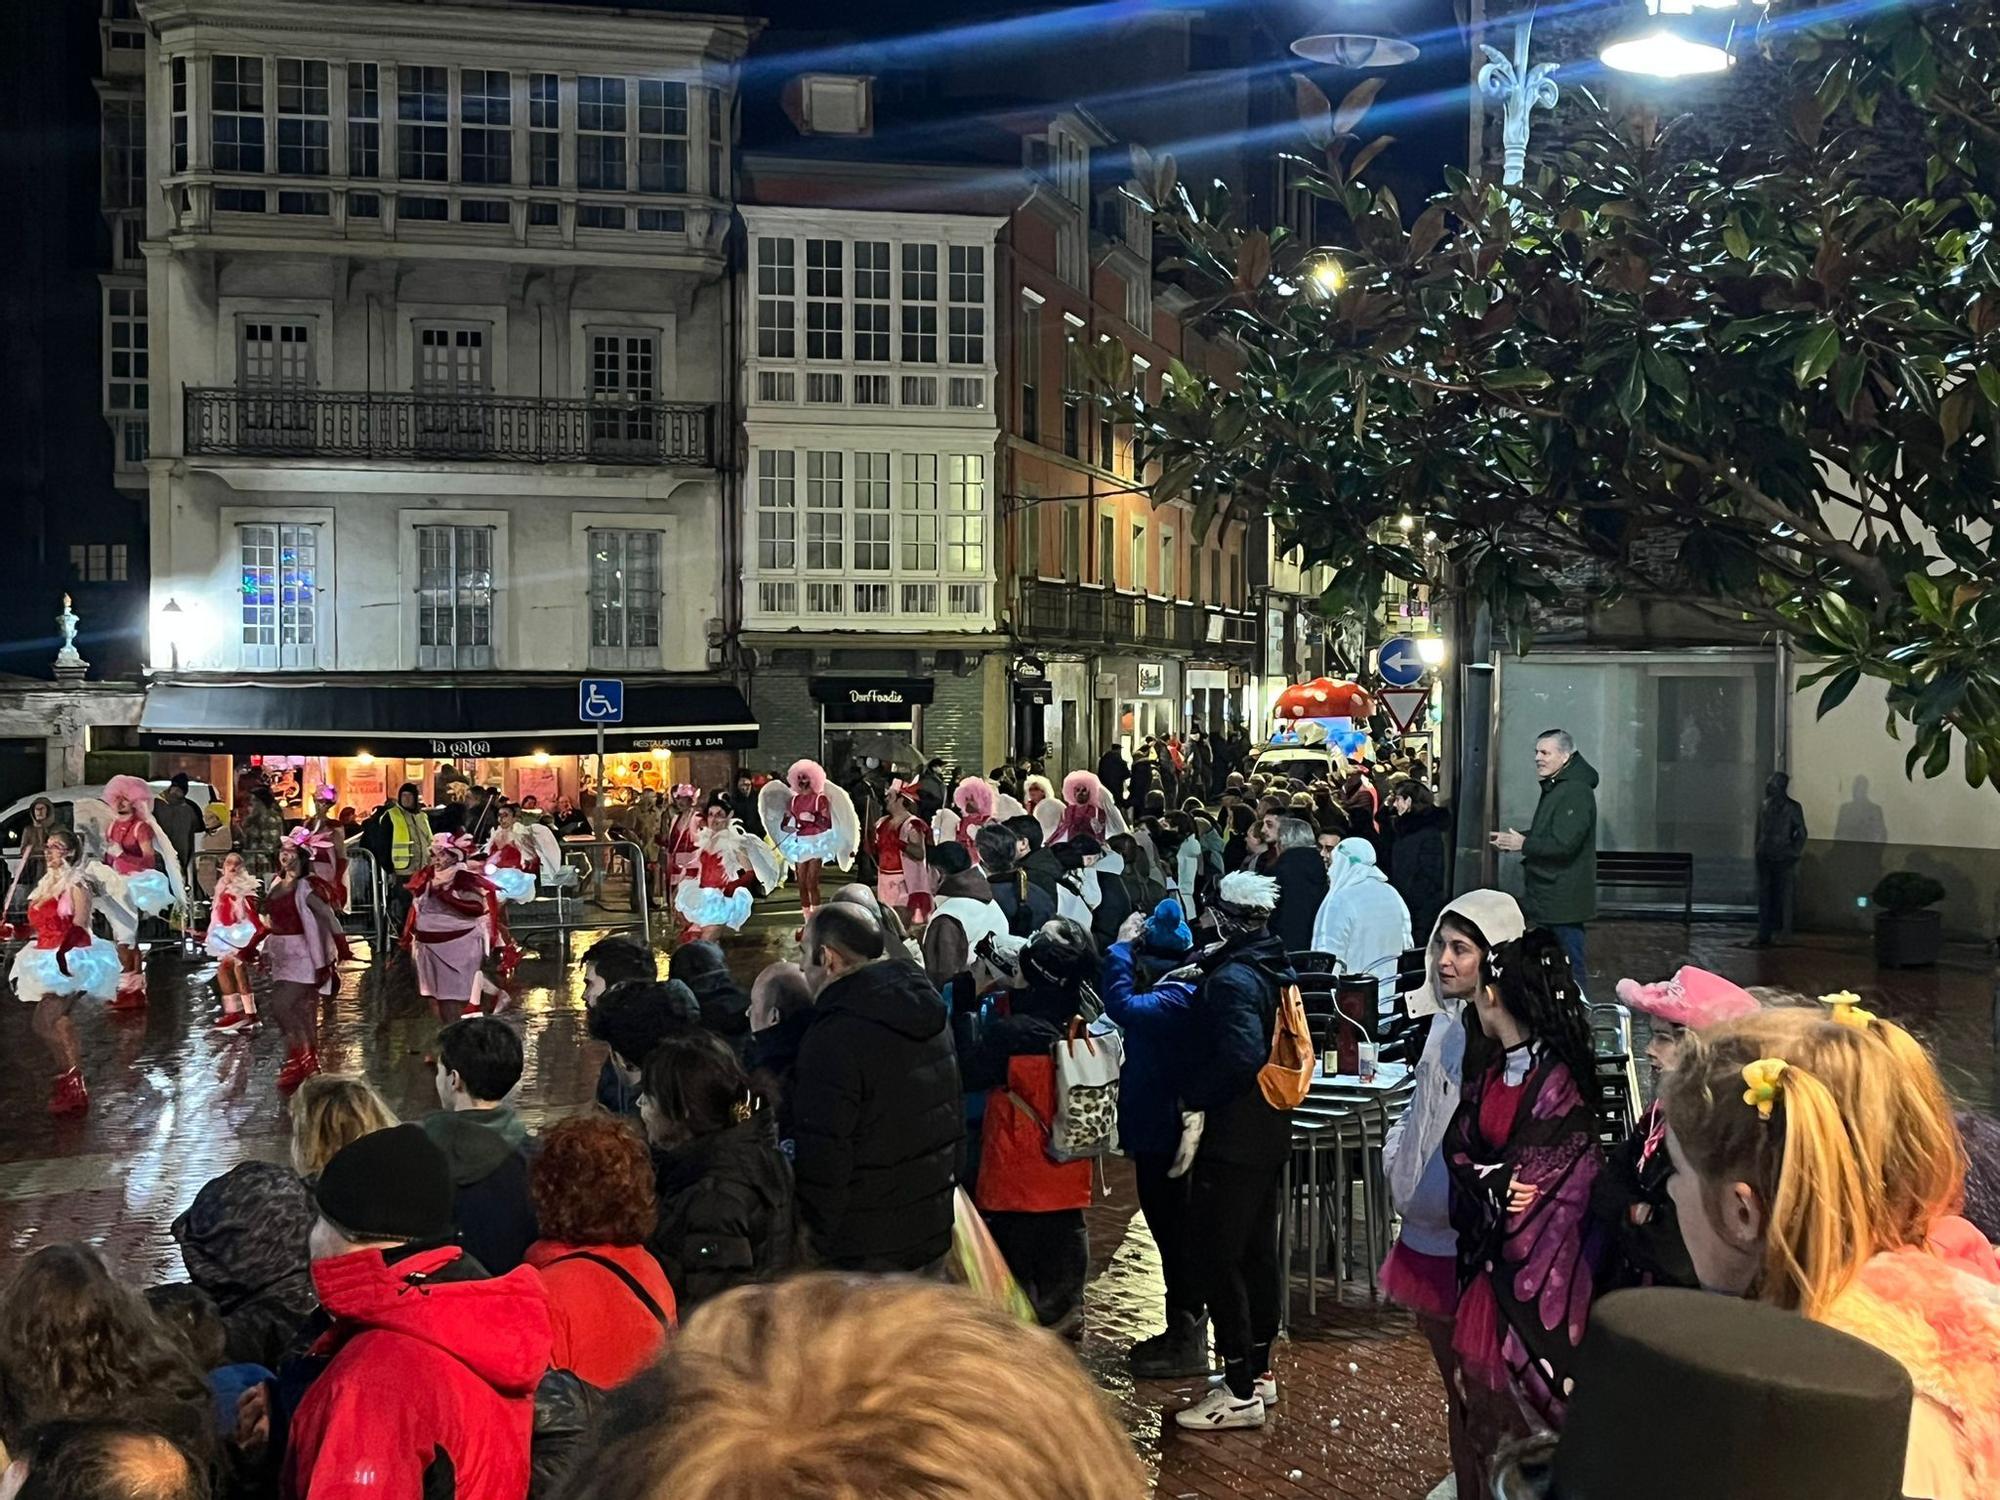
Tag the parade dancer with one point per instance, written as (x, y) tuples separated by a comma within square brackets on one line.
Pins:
[(811, 821), (717, 898), (455, 921), (680, 859), (516, 854), (978, 803), (1034, 792), (301, 944), (63, 962), (328, 850), (902, 856), (134, 846), (235, 927), (1084, 812)]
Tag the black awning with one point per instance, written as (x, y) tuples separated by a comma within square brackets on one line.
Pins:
[(332, 716)]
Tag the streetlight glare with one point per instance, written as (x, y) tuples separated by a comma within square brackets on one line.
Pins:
[(1327, 276), (1663, 54)]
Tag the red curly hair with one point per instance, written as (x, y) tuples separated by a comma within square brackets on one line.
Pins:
[(592, 1183)]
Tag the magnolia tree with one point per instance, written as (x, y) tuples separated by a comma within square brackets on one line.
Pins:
[(1759, 385)]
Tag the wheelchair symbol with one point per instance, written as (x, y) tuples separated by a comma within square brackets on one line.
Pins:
[(600, 702)]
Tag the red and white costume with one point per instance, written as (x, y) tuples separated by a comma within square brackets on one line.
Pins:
[(1034, 792), (678, 832), (515, 855), (1084, 812), (454, 922), (64, 958), (727, 861), (902, 857), (977, 804), (235, 922)]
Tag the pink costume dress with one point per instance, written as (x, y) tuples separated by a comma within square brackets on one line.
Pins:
[(303, 940), (453, 924), (147, 889), (326, 846), (807, 831), (683, 859)]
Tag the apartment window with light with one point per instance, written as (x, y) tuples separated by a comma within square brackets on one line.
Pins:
[(485, 132), (1072, 395), (777, 511), (423, 128), (544, 130), (965, 514), (1029, 357), (663, 129), (454, 597), (966, 289), (600, 133), (776, 288), (823, 299), (871, 301), (825, 512), (918, 522), (625, 598), (177, 74), (127, 372), (236, 113), (871, 514), (99, 562), (124, 151), (364, 119), (278, 619), (303, 117), (920, 295)]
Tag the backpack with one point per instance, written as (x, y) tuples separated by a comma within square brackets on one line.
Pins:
[(1287, 1078)]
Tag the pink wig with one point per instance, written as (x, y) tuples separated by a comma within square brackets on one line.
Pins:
[(974, 797), (1693, 997), (131, 790), (1083, 786), (814, 773)]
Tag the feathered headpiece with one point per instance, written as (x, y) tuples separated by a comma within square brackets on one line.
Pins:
[(304, 838), (1247, 893), (131, 790), (812, 770), (684, 789), (1035, 788), (974, 797), (325, 793), (1083, 786), (459, 846)]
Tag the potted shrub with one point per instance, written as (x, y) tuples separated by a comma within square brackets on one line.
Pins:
[(1908, 929)]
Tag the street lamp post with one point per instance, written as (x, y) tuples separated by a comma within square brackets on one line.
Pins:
[(1520, 88)]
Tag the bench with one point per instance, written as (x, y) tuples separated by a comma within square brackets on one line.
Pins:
[(1628, 869)]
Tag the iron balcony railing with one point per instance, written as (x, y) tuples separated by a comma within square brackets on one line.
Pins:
[(401, 424), (1066, 612)]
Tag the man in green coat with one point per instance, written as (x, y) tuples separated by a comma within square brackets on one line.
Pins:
[(1559, 850)]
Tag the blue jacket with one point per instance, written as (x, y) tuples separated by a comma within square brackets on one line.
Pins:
[(1159, 1054)]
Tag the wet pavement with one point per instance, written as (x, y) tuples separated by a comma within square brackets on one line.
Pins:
[(1362, 1414)]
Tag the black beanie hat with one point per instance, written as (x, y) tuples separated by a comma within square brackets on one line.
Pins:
[(392, 1184)]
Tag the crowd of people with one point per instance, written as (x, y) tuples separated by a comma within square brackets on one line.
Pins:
[(733, 1273)]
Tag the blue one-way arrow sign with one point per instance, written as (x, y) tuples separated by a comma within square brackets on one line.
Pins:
[(1399, 663), (600, 700)]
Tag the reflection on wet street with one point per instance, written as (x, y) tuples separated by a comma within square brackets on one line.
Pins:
[(173, 1104)]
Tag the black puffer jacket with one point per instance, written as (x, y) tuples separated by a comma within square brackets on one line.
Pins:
[(243, 1241), (1419, 866), (1235, 1007), (1302, 882), (725, 1211), (877, 1117)]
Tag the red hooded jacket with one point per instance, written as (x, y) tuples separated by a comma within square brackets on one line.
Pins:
[(421, 1371)]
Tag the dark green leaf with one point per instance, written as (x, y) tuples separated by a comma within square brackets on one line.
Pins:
[(1814, 355), (1837, 691), (1517, 378), (1632, 392)]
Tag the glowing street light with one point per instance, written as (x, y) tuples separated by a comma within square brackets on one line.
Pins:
[(1680, 38), (1327, 276)]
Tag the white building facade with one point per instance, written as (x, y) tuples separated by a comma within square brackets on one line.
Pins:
[(438, 308), (869, 491)]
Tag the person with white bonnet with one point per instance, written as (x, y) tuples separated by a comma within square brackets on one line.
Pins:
[(1422, 1270), (1362, 921)]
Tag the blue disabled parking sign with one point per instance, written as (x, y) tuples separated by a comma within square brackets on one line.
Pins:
[(600, 700), (1399, 664)]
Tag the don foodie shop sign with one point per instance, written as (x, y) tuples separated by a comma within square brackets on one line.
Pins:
[(870, 700)]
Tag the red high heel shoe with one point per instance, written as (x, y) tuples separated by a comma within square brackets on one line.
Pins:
[(69, 1096), (297, 1070)]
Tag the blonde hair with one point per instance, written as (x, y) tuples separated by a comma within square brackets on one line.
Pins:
[(328, 1111), (830, 1387), (1859, 1154)]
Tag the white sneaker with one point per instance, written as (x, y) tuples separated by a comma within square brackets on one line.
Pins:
[(1266, 1391), (1219, 1411)]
